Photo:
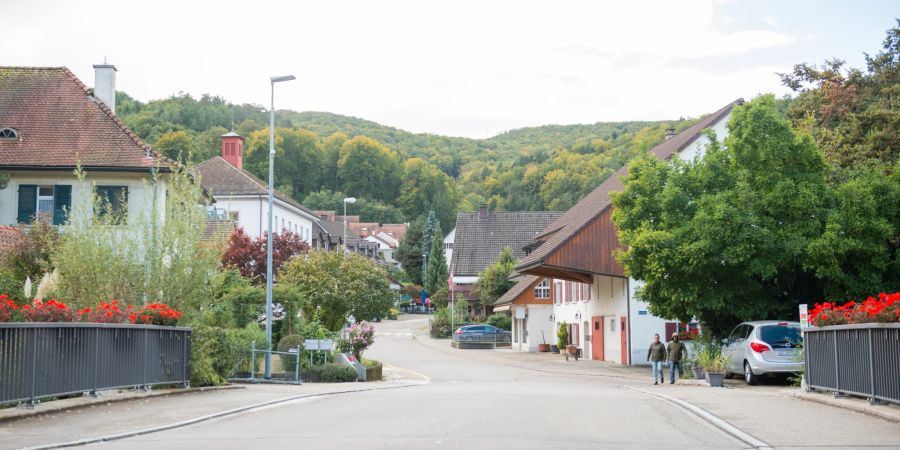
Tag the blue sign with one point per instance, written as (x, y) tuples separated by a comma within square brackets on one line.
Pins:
[(642, 312), (423, 296)]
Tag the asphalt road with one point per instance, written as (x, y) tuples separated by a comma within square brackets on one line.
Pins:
[(482, 399)]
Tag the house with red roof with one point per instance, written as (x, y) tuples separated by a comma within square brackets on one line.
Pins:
[(572, 260), (51, 123)]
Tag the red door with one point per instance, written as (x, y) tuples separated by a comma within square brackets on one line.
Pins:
[(624, 331), (597, 339)]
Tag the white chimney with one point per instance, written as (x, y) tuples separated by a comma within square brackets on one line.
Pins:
[(105, 84)]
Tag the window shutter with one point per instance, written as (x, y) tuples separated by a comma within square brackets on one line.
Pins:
[(62, 203), (27, 203)]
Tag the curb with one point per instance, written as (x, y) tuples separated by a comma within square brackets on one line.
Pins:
[(203, 418), (28, 413), (712, 419), (850, 404)]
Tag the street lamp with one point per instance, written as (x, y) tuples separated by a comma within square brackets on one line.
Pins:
[(350, 200), (268, 370)]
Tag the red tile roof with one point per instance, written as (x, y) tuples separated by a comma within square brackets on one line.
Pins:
[(10, 236), (595, 203), (221, 178), (60, 124)]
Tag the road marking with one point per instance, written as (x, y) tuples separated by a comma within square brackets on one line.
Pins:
[(711, 418)]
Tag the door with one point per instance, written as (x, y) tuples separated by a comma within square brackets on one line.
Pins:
[(597, 339), (733, 352), (623, 330)]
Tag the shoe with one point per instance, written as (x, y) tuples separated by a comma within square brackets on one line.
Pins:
[(672, 382), (655, 383)]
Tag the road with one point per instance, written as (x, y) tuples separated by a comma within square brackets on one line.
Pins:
[(438, 397)]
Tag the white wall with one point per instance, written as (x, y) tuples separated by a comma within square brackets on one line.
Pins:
[(537, 319), (698, 146), (449, 239), (140, 192), (252, 212), (643, 326)]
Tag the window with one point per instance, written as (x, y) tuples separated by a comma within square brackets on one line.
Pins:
[(45, 203), (559, 291), (8, 133), (113, 203), (542, 290), (44, 200)]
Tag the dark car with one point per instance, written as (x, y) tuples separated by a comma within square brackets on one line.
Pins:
[(481, 333)]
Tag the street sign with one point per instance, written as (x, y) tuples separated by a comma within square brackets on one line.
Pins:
[(804, 317), (318, 344), (520, 313)]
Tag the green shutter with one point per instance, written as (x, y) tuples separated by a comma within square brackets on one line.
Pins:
[(27, 203), (62, 203)]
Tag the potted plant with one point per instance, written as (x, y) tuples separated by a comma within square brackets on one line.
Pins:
[(562, 341), (544, 347), (713, 363)]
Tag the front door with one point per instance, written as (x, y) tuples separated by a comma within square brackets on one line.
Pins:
[(624, 331), (597, 339)]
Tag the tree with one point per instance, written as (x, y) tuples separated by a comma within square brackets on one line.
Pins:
[(409, 252), (726, 239), (428, 232), (331, 155), (298, 157), (334, 285), (368, 210), (493, 281), (426, 188), (177, 145), (249, 255), (367, 166), (437, 263)]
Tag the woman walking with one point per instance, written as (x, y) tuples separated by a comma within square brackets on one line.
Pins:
[(656, 354)]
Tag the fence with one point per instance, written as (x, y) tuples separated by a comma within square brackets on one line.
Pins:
[(52, 359), (860, 359), (482, 340)]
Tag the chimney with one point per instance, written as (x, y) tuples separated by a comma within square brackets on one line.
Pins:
[(233, 149), (483, 212), (670, 133), (105, 84)]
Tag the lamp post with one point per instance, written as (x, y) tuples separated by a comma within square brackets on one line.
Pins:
[(350, 200), (268, 369)]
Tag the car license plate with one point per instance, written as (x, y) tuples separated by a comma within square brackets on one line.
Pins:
[(786, 352)]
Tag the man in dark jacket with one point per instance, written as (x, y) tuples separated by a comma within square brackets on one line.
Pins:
[(676, 352), (656, 354)]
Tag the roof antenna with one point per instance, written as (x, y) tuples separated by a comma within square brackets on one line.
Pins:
[(232, 119)]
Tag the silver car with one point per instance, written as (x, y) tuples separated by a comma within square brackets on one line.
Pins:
[(763, 348)]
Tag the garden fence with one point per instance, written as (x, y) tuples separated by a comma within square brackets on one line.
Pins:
[(52, 359), (859, 359)]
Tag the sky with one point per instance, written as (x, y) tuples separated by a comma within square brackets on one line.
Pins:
[(459, 68)]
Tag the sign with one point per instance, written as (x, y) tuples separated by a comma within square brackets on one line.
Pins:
[(520, 313), (318, 344), (804, 317), (642, 312)]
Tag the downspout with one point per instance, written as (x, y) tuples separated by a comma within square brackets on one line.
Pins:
[(628, 311), (259, 197)]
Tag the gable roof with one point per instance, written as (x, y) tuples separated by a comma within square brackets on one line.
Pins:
[(478, 242), (222, 178), (10, 236), (60, 124), (598, 201), (518, 289)]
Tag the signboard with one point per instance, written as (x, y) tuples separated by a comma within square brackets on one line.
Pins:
[(642, 312), (804, 317), (318, 344), (520, 313)]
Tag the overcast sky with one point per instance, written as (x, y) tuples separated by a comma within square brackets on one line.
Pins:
[(451, 67)]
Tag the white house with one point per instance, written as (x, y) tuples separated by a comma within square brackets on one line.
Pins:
[(50, 122), (588, 286), (244, 197), (387, 246), (448, 245)]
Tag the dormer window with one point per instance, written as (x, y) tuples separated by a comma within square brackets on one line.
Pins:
[(8, 133)]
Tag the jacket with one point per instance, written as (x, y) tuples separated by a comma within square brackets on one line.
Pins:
[(656, 352), (677, 351)]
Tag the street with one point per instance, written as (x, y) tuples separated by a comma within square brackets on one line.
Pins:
[(438, 397)]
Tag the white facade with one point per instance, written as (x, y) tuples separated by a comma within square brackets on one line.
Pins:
[(251, 213), (139, 188), (384, 250), (532, 325), (448, 245)]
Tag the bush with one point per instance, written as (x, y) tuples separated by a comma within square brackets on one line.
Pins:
[(217, 353), (337, 373), (440, 324), (500, 320), (562, 336), (361, 336), (289, 342), (11, 286)]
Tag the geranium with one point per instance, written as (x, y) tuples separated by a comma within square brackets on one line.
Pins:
[(361, 336), (157, 314), (9, 310), (49, 311), (688, 335), (105, 313), (884, 308)]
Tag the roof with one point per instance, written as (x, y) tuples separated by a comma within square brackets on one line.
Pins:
[(218, 230), (478, 242), (518, 289), (10, 236), (222, 178), (597, 202), (60, 125)]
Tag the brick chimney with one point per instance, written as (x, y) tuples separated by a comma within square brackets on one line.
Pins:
[(483, 212), (670, 133), (105, 84), (233, 149)]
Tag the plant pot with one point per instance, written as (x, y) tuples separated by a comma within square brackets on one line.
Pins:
[(572, 349), (699, 374), (543, 348), (715, 379), (554, 349)]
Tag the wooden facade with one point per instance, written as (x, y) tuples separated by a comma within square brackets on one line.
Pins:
[(527, 297)]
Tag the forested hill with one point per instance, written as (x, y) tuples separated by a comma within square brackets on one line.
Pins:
[(323, 156)]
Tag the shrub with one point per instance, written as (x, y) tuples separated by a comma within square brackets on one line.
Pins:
[(107, 313), (9, 310), (337, 373), (361, 336), (217, 353), (157, 314), (289, 342), (500, 320), (51, 311), (11, 286), (562, 336)]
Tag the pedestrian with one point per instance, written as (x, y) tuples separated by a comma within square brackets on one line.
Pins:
[(656, 354), (676, 351)]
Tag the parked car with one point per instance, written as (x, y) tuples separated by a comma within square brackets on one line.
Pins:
[(767, 347), (481, 333)]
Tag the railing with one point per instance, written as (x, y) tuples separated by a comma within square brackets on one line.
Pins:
[(482, 340), (51, 359), (859, 359)]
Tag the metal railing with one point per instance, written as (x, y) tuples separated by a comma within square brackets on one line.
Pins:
[(859, 359), (485, 340), (40, 360)]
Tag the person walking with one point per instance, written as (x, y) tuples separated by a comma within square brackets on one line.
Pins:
[(676, 352), (656, 354)]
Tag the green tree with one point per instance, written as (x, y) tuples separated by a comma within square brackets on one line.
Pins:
[(368, 210), (368, 167), (331, 155), (426, 188), (409, 252), (493, 281), (333, 286), (298, 157), (177, 145), (437, 263), (431, 225)]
